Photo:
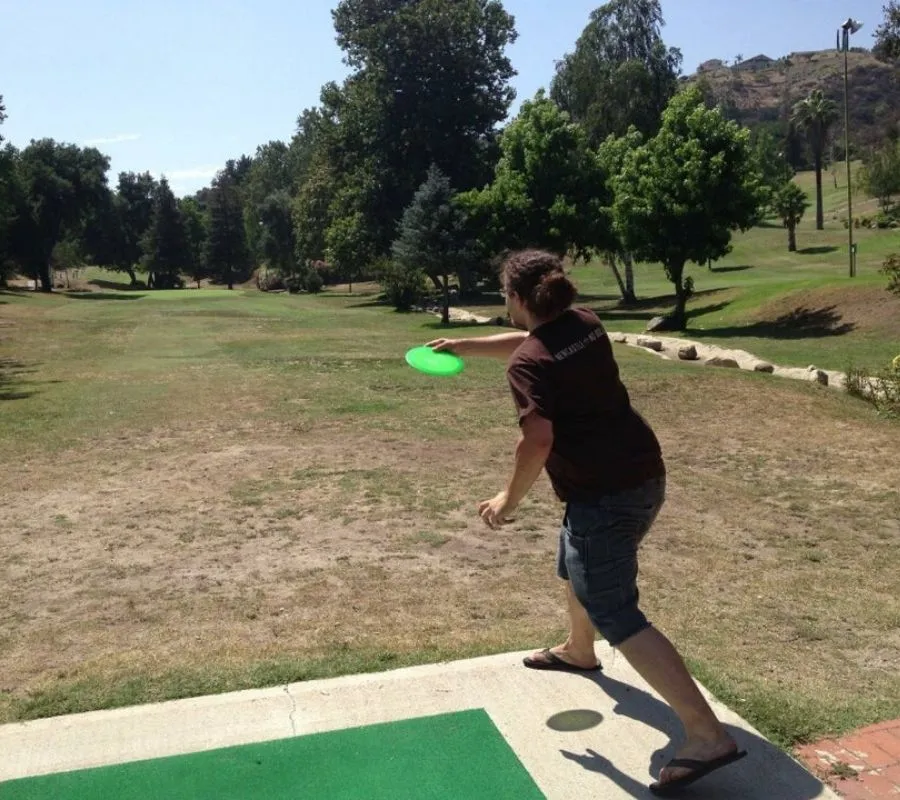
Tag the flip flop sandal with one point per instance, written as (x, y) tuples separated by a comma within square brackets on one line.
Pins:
[(699, 769), (553, 661)]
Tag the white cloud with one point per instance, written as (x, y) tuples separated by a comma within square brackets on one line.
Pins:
[(122, 137)]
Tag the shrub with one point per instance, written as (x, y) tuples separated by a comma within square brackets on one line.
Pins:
[(881, 389), (891, 268), (403, 287)]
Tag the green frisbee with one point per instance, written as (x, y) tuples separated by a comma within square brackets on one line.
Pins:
[(428, 361)]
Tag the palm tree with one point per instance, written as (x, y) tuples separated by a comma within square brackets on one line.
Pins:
[(815, 115), (790, 203)]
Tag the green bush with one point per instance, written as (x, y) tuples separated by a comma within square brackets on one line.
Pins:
[(403, 287), (891, 268), (881, 389), (313, 281)]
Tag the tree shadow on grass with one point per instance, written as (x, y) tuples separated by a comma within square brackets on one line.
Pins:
[(11, 291), (102, 296), (11, 379), (140, 286), (633, 313), (817, 251), (801, 323), (439, 326), (738, 268)]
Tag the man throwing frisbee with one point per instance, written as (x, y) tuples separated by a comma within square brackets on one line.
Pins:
[(605, 464)]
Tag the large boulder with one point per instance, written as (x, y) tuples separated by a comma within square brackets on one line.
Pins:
[(687, 353), (721, 361), (763, 366), (650, 344), (663, 323)]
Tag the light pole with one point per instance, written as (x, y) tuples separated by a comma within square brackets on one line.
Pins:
[(848, 28)]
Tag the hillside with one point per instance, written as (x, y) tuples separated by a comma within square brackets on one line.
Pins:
[(762, 90)]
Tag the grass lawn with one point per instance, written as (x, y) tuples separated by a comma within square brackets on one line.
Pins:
[(205, 490), (794, 309)]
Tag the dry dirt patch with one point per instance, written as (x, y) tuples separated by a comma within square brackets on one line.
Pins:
[(775, 558)]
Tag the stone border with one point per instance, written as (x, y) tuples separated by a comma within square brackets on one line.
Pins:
[(674, 349)]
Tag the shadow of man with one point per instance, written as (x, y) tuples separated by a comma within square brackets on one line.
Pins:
[(764, 759)]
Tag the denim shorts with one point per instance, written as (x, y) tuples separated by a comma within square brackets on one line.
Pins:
[(598, 554)]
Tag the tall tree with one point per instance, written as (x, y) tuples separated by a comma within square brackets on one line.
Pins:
[(887, 35), (196, 226), (7, 177), (771, 163), (277, 245), (612, 154), (311, 214), (679, 196), (166, 253), (431, 85), (621, 73), (790, 203), (63, 185), (133, 203), (549, 189), (815, 115), (227, 256), (433, 236), (880, 175), (269, 173)]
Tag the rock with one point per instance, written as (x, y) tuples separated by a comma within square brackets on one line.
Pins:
[(658, 324), (687, 353), (763, 366), (620, 338), (819, 376), (650, 344), (719, 361)]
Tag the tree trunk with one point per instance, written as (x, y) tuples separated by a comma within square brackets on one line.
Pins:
[(445, 311), (630, 296), (820, 212), (679, 315), (611, 260), (131, 275), (44, 277), (230, 279), (792, 238)]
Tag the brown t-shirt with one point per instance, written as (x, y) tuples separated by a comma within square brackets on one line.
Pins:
[(566, 372)]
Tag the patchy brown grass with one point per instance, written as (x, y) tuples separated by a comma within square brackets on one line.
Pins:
[(222, 534)]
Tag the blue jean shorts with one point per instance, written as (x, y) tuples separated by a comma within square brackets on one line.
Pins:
[(598, 554)]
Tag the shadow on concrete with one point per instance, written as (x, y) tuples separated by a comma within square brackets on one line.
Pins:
[(764, 758)]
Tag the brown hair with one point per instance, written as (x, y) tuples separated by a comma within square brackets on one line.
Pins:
[(539, 279)]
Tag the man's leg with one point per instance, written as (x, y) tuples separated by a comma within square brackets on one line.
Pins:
[(657, 661), (578, 648)]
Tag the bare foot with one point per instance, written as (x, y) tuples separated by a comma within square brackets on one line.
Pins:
[(698, 750), (582, 660)]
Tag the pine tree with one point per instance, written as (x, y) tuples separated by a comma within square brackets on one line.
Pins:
[(165, 244), (432, 235), (227, 254)]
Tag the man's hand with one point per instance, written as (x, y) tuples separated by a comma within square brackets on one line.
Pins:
[(496, 512), (455, 346)]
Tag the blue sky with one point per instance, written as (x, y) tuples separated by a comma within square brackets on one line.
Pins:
[(179, 87)]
